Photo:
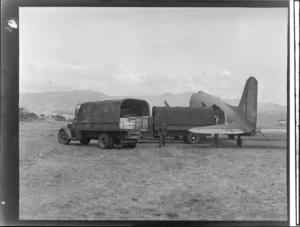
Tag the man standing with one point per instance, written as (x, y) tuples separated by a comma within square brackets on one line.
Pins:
[(216, 113), (216, 116), (162, 132)]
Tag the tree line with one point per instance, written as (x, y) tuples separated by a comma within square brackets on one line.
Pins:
[(25, 115)]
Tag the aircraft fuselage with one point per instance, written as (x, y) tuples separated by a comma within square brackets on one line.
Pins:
[(232, 114)]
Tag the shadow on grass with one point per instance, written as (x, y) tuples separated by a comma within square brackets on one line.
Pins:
[(208, 145)]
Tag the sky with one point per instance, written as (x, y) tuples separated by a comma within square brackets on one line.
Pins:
[(127, 51)]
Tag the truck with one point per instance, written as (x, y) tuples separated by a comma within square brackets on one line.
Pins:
[(125, 121), (180, 119), (111, 122)]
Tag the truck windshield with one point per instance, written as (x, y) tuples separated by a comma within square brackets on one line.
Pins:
[(77, 107)]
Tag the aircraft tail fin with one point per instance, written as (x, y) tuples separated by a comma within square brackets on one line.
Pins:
[(248, 102)]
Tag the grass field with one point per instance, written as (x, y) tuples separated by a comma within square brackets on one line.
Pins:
[(176, 182)]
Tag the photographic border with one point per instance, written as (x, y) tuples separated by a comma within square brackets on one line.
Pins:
[(9, 209)]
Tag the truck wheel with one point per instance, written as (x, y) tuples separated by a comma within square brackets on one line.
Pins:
[(105, 141), (85, 141), (192, 138), (62, 137)]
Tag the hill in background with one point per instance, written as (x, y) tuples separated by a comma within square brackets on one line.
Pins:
[(63, 103)]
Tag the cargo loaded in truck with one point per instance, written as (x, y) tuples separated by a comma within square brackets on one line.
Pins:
[(111, 122)]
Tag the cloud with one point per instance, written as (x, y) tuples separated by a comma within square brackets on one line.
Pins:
[(225, 73), (76, 67), (113, 80), (138, 77)]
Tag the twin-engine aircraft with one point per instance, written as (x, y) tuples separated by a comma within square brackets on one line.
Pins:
[(239, 120)]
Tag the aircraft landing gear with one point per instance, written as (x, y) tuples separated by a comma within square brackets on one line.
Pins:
[(239, 141), (216, 138)]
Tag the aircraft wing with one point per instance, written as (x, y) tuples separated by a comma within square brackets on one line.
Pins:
[(218, 129)]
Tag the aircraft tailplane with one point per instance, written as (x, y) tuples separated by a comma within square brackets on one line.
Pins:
[(248, 102)]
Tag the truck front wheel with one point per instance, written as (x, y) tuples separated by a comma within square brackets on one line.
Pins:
[(62, 137), (105, 141), (192, 138)]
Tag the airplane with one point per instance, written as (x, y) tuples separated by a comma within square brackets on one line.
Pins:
[(239, 120)]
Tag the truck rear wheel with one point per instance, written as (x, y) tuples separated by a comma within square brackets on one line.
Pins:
[(192, 138), (62, 137), (105, 141)]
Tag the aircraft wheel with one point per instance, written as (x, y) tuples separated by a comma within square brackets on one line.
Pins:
[(105, 141), (192, 138), (239, 141)]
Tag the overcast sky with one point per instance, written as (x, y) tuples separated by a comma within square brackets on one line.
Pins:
[(150, 51)]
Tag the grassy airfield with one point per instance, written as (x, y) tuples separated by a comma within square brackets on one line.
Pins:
[(176, 182)]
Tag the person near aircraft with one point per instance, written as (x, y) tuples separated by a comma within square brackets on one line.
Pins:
[(162, 132)]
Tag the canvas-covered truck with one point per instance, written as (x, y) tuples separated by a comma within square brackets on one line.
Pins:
[(180, 119), (111, 122)]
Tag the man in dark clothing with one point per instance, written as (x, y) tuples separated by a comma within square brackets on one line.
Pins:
[(216, 113), (162, 132), (216, 116)]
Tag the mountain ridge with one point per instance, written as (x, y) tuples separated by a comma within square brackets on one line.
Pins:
[(64, 102)]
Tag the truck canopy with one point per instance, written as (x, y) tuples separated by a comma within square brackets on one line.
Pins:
[(184, 117), (110, 111)]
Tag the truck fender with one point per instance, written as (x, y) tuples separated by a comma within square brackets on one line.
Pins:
[(67, 131)]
